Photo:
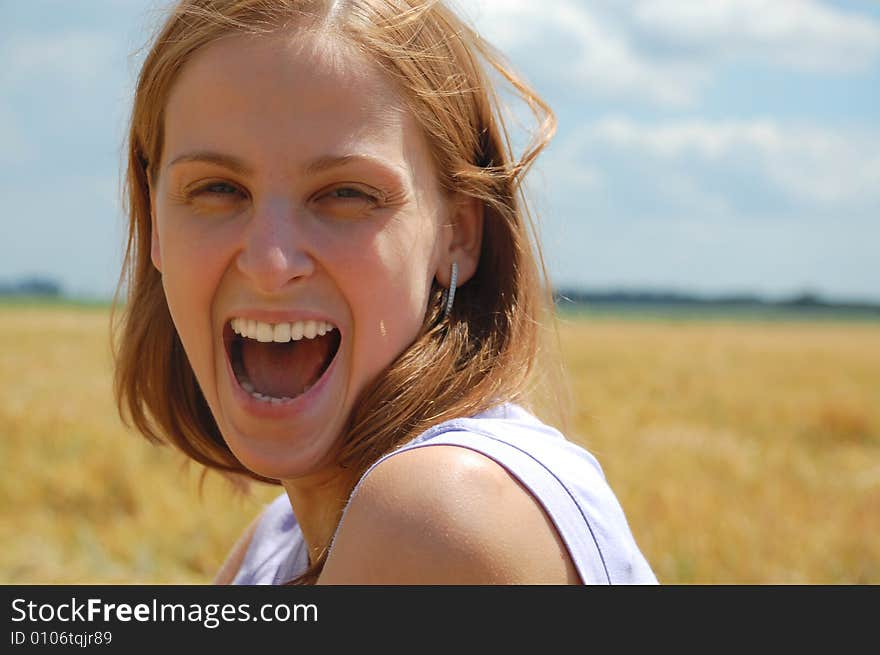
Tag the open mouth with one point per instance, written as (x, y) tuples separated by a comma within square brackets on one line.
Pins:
[(276, 362)]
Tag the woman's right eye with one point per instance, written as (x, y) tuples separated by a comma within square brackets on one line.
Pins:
[(216, 196), (216, 189)]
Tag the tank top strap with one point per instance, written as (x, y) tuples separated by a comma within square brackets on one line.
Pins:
[(565, 479)]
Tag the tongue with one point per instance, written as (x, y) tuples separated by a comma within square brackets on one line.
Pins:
[(284, 369)]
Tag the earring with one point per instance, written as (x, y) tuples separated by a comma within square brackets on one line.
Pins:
[(449, 294)]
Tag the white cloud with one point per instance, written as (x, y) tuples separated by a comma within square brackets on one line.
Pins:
[(799, 34), (667, 51), (707, 139), (808, 163), (582, 49), (74, 56)]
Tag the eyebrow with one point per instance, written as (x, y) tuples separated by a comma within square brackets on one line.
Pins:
[(227, 161), (239, 166), (327, 162)]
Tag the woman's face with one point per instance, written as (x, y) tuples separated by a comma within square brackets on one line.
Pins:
[(294, 193)]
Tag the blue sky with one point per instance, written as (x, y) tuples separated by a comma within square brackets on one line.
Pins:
[(723, 146)]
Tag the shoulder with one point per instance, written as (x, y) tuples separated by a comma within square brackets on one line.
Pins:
[(444, 514)]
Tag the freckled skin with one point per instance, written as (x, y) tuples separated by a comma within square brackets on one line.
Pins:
[(276, 237)]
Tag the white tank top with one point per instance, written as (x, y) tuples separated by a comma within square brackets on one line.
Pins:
[(566, 479)]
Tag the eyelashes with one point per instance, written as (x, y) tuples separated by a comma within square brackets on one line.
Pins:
[(219, 188), (210, 196), (352, 193), (219, 191)]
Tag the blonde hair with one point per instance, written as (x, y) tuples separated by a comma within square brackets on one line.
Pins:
[(483, 354)]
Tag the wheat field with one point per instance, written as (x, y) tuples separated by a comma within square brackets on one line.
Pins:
[(741, 451)]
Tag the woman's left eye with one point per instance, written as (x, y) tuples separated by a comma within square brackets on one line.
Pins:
[(348, 201), (351, 193)]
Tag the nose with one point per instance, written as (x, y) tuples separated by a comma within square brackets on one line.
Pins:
[(275, 249)]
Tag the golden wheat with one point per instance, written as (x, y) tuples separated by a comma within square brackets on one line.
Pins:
[(741, 452)]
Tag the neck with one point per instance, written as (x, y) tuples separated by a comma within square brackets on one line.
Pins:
[(317, 501)]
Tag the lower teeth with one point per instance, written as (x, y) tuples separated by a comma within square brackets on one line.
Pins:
[(272, 399), (247, 386)]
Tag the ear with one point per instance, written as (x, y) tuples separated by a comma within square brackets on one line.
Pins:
[(155, 253), (463, 239)]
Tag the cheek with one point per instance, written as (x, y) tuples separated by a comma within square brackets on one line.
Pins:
[(389, 287), (193, 262)]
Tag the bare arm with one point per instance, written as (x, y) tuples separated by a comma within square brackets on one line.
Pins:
[(446, 515)]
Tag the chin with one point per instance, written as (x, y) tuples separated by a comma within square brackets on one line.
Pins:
[(281, 453)]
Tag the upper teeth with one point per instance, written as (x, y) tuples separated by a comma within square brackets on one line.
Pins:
[(279, 332)]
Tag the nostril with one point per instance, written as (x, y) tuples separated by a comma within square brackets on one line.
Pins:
[(274, 266)]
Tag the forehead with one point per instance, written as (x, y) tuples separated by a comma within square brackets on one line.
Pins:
[(289, 97)]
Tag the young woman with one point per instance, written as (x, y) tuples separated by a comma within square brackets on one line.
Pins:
[(332, 285)]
